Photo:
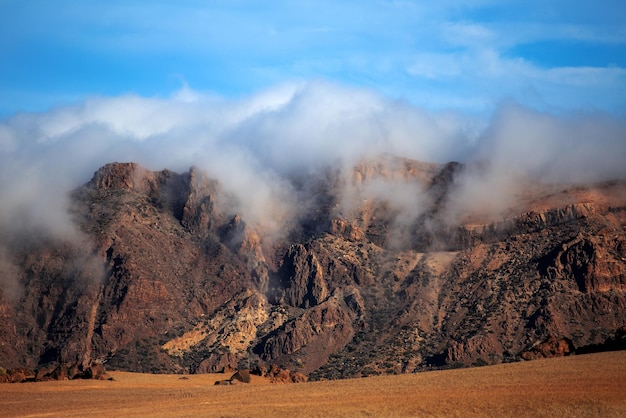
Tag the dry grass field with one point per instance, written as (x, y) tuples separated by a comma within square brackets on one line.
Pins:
[(586, 386)]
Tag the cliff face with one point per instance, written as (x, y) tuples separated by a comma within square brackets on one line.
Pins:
[(167, 277)]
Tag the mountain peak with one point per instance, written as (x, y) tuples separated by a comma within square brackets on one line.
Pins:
[(125, 176)]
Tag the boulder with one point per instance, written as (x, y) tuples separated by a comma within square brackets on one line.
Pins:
[(242, 376)]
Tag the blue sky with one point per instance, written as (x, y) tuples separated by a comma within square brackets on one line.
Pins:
[(469, 56)]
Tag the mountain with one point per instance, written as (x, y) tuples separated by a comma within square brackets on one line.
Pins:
[(380, 267)]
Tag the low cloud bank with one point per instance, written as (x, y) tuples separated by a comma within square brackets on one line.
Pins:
[(253, 144)]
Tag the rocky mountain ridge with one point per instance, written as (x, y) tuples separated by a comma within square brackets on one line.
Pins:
[(369, 277)]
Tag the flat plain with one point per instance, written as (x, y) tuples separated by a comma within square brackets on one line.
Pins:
[(575, 386)]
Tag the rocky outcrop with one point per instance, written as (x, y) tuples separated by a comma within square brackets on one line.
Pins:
[(529, 222), (18, 375), (309, 339), (74, 371), (551, 347), (278, 375), (200, 214), (594, 264), (345, 229), (225, 337), (120, 176), (302, 279), (476, 350), (55, 372)]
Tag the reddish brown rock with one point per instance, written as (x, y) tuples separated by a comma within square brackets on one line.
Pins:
[(218, 362), (551, 347), (311, 337), (242, 375), (345, 229), (595, 266), (302, 279), (279, 375)]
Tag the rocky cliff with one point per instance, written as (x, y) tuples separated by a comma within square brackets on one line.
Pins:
[(371, 276)]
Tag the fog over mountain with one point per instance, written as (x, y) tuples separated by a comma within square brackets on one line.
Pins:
[(325, 229), (253, 145)]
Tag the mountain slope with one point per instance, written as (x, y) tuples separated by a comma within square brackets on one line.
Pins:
[(379, 270)]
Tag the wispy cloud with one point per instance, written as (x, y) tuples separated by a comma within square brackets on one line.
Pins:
[(254, 144), (401, 48)]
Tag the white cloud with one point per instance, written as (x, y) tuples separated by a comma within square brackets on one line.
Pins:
[(522, 147), (483, 77), (252, 145), (468, 34), (248, 144)]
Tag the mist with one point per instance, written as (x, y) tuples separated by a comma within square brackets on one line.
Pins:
[(253, 144)]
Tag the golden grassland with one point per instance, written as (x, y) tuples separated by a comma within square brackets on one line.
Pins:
[(584, 386)]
